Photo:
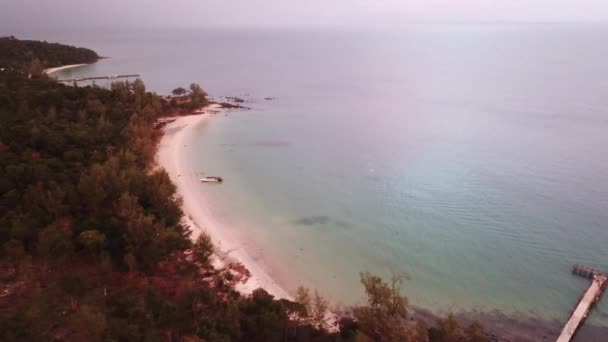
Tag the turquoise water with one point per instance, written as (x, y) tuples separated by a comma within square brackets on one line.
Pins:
[(471, 157)]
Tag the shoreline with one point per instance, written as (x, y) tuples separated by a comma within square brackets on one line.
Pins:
[(230, 254), (50, 71), (171, 156)]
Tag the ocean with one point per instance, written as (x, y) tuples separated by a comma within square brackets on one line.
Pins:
[(471, 157)]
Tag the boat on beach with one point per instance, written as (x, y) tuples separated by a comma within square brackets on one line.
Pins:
[(212, 180)]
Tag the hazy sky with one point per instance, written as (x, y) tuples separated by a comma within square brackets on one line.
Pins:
[(263, 13)]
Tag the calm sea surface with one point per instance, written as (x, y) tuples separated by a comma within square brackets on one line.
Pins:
[(474, 158)]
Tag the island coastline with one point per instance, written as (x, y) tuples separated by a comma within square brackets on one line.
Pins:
[(51, 71), (230, 254), (171, 155)]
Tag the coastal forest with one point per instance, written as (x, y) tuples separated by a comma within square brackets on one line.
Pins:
[(92, 242)]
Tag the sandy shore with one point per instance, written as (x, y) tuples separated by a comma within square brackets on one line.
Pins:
[(173, 157), (53, 70)]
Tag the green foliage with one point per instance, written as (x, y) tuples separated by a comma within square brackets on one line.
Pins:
[(381, 320), (263, 319), (420, 332), (303, 297), (198, 97), (475, 333), (73, 285), (17, 328), (315, 307), (179, 91), (92, 240), (450, 330), (15, 52), (55, 243), (203, 248), (92, 320), (319, 310), (385, 298), (36, 69), (13, 249)]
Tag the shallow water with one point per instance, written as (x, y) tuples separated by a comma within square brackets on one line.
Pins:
[(471, 157)]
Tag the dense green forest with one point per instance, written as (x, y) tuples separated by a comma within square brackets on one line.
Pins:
[(15, 53), (92, 243)]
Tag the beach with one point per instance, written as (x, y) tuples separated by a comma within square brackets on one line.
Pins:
[(50, 71), (172, 156)]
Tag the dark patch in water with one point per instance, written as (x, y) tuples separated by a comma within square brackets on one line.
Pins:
[(312, 220), (341, 224)]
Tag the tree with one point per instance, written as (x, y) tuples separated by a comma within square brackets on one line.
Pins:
[(14, 250), (179, 91), (349, 329), (381, 319), (263, 318), (420, 332), (385, 298), (303, 297), (55, 243), (398, 303), (319, 310), (131, 262), (475, 333), (93, 241), (203, 248), (92, 319), (198, 97), (105, 269), (159, 193), (139, 89), (36, 69), (143, 234), (449, 330), (73, 285)]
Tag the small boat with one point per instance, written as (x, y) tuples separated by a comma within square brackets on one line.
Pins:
[(212, 180)]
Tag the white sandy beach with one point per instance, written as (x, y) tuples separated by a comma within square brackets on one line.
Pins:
[(172, 157), (49, 71)]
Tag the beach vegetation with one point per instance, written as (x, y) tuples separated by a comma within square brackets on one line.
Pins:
[(382, 317), (203, 248), (198, 97), (313, 308), (21, 53), (475, 333), (179, 91), (319, 310), (93, 241), (35, 69), (303, 298)]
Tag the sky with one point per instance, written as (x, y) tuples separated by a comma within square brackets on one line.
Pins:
[(288, 13)]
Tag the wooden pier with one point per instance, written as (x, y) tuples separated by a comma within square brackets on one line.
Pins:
[(592, 295), (108, 77)]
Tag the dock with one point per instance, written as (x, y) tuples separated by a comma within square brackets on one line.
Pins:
[(599, 280), (108, 77)]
